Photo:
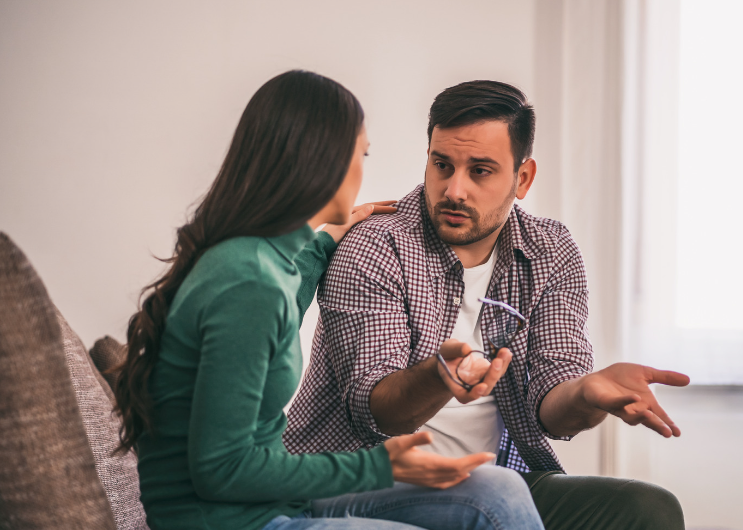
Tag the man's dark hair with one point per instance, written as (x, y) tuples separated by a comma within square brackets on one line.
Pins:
[(477, 101)]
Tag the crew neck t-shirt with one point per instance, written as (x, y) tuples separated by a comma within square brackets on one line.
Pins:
[(461, 429)]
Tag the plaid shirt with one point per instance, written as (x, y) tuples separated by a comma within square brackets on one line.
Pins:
[(391, 297)]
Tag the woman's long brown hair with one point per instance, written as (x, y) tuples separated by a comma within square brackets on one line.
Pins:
[(290, 153)]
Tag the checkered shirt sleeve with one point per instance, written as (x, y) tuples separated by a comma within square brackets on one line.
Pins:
[(558, 342), (362, 306)]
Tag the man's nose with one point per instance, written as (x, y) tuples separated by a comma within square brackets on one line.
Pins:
[(456, 190)]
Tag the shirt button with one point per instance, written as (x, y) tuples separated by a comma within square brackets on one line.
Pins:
[(457, 300)]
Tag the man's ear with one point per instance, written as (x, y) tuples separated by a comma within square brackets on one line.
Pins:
[(526, 174)]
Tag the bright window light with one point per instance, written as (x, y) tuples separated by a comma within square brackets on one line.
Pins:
[(710, 187)]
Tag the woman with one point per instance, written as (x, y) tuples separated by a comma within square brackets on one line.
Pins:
[(214, 351)]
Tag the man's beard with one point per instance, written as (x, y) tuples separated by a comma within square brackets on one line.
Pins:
[(481, 227)]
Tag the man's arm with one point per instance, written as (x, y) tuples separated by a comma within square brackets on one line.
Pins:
[(403, 401), (566, 397), (368, 341), (621, 389)]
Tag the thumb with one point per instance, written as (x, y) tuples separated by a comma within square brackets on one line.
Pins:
[(408, 441)]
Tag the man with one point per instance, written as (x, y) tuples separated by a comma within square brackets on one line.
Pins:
[(404, 287)]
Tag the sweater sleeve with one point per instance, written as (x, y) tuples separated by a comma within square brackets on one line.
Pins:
[(240, 335), (312, 263)]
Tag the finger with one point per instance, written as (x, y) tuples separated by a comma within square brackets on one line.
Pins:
[(361, 213), (378, 210), (668, 377), (452, 349), (449, 484), (653, 422), (383, 203), (663, 415), (498, 367), (614, 404), (408, 441), (470, 462)]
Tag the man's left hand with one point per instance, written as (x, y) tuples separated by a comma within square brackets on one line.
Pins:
[(623, 390)]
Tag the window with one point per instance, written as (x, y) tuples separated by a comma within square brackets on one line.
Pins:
[(686, 310)]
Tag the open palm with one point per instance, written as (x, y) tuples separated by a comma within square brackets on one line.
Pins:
[(623, 389)]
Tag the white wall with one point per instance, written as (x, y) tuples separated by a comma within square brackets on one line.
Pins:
[(116, 116)]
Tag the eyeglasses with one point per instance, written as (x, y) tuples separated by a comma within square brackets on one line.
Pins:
[(500, 333)]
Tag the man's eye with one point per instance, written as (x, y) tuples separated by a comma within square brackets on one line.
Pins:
[(482, 171), (440, 165)]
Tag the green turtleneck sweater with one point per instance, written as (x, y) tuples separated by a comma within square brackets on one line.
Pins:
[(229, 363)]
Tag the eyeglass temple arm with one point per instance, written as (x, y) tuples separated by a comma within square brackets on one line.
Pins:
[(505, 307)]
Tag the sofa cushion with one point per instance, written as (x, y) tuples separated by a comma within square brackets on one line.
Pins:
[(118, 473), (47, 470), (107, 354)]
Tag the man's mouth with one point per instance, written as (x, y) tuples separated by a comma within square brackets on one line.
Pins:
[(454, 217)]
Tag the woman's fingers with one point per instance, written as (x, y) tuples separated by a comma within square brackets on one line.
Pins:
[(378, 207), (400, 444), (384, 210), (470, 462), (408, 441)]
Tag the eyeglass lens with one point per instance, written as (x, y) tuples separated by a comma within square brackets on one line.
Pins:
[(500, 334)]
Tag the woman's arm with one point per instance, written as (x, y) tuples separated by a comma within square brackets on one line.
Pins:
[(228, 461), (313, 261)]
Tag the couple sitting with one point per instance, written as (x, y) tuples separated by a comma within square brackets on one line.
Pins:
[(455, 314)]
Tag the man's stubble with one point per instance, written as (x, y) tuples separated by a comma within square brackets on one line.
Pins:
[(481, 228)]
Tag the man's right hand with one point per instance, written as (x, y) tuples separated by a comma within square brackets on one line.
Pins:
[(453, 351), (411, 465)]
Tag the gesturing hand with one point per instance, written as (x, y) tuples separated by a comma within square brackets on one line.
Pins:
[(453, 351), (411, 465), (623, 390), (358, 214)]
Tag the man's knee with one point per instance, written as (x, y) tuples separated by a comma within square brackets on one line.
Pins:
[(651, 506)]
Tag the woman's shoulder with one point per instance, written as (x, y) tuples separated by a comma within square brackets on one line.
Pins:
[(230, 264)]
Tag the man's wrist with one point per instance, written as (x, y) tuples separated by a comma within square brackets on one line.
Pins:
[(437, 374)]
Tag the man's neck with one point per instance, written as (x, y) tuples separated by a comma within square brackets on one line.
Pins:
[(478, 252)]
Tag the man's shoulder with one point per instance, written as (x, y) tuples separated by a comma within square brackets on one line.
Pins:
[(546, 237), (406, 223)]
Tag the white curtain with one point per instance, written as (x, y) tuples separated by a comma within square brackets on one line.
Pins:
[(578, 100)]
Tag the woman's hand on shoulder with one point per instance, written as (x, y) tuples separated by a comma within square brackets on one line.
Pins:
[(358, 214), (411, 465)]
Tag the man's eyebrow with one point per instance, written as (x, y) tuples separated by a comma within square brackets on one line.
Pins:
[(440, 155), (484, 160)]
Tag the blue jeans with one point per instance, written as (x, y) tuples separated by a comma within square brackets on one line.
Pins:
[(492, 498)]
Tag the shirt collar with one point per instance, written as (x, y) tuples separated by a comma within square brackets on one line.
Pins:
[(291, 244)]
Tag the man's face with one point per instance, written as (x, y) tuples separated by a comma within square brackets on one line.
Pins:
[(470, 183)]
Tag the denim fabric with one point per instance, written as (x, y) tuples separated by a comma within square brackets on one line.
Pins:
[(492, 498)]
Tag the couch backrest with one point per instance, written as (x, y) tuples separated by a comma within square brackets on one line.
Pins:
[(118, 473), (48, 477)]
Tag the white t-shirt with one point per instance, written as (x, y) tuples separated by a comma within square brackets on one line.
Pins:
[(462, 429)]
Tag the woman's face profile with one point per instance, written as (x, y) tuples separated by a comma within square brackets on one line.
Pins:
[(340, 206)]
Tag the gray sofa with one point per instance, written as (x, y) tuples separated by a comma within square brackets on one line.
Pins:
[(57, 429)]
